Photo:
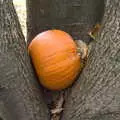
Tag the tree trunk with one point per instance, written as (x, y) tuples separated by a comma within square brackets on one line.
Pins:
[(73, 16), (96, 95), (20, 95)]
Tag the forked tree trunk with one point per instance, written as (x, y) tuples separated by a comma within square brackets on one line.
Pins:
[(76, 17), (73, 16), (20, 96), (96, 95)]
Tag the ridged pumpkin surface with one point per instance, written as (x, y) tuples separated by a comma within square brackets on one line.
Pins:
[(55, 59)]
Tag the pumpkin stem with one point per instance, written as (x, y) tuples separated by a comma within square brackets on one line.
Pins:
[(82, 49)]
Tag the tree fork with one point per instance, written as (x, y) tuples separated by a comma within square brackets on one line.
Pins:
[(76, 17)]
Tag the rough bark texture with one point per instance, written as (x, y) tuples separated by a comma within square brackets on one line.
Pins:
[(20, 95), (73, 16), (96, 95)]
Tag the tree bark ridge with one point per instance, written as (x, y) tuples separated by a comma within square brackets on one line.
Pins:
[(20, 94)]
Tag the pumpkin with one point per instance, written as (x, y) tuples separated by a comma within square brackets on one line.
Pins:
[(54, 56)]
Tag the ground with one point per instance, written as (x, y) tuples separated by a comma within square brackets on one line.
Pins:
[(20, 6)]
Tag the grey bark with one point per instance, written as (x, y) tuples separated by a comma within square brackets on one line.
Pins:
[(20, 94), (96, 94), (73, 16)]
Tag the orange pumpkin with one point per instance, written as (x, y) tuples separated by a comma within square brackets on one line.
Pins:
[(54, 56)]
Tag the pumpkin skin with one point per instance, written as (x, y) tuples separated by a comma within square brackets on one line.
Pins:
[(54, 56)]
